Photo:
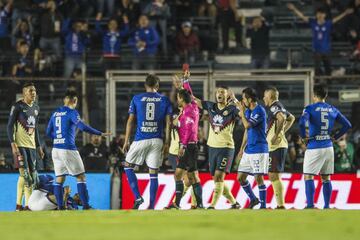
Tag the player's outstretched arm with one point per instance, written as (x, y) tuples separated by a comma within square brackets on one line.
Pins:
[(129, 126), (297, 12), (289, 122), (342, 15), (346, 125)]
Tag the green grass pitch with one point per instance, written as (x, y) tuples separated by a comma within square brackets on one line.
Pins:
[(174, 224)]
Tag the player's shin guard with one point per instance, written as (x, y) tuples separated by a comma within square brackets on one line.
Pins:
[(58, 192), (262, 195), (310, 192), (154, 184), (248, 190), (198, 194), (133, 182), (179, 192), (278, 190), (327, 190), (219, 188), (227, 193), (20, 190), (83, 193)]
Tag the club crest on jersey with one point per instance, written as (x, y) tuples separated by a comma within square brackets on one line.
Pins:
[(225, 113), (218, 119), (31, 121), (36, 112), (274, 108)]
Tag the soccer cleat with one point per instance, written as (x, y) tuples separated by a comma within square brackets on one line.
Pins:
[(253, 203), (26, 208), (310, 207), (210, 208), (193, 207), (88, 208), (137, 203), (19, 208), (172, 206), (235, 206), (280, 208)]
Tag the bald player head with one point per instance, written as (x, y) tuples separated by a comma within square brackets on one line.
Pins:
[(271, 95)]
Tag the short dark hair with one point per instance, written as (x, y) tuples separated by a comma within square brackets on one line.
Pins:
[(250, 93), (28, 84), (320, 10), (152, 80), (71, 94), (185, 95), (22, 43), (320, 91)]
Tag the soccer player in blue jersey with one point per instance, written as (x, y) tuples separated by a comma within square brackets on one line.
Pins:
[(150, 110), (319, 155), (254, 151), (67, 161)]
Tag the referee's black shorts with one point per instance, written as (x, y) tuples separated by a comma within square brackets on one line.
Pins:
[(188, 161)]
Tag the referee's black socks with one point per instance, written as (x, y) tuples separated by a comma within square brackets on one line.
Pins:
[(179, 192), (198, 194)]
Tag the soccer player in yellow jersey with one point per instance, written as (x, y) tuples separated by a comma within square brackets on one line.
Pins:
[(279, 122), (22, 130), (222, 117)]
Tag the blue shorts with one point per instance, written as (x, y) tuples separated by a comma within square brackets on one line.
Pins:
[(220, 159)]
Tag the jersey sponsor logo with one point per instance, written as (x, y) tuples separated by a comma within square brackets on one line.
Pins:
[(59, 141), (345, 191), (218, 119), (323, 109), (31, 121), (59, 114), (150, 99), (189, 120)]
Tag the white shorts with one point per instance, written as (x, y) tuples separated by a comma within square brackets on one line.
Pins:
[(319, 160), (149, 150), (67, 162), (257, 163), (39, 201)]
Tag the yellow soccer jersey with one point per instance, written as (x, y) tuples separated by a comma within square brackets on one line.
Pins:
[(222, 124), (22, 125), (174, 144), (274, 109)]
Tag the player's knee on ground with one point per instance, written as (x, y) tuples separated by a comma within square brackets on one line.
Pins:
[(219, 176), (308, 177), (274, 176), (241, 177), (259, 179)]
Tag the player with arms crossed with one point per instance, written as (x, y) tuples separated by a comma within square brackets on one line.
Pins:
[(150, 110), (279, 122), (67, 161), (221, 145), (319, 155), (23, 134), (254, 151), (187, 124)]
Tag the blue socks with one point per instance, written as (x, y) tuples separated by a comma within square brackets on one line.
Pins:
[(133, 182), (83, 193), (262, 195), (327, 190), (59, 193), (310, 192), (154, 184), (248, 190)]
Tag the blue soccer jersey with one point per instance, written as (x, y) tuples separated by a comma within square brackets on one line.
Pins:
[(62, 128), (256, 134), (150, 110), (321, 118)]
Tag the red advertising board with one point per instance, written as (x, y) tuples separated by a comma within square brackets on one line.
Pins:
[(346, 191)]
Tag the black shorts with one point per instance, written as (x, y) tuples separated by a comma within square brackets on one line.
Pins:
[(220, 159), (188, 162), (277, 160), (29, 159)]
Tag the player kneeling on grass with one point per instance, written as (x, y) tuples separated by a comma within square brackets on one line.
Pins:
[(254, 151), (43, 198), (279, 122), (67, 161), (319, 155), (151, 111)]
